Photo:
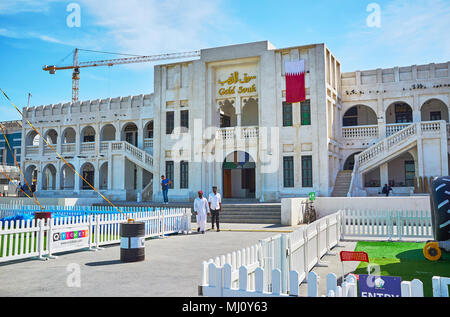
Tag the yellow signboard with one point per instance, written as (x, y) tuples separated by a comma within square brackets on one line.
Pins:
[(233, 89)]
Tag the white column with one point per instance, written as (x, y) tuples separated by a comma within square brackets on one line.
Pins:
[(110, 173), (384, 174), (139, 178), (78, 180), (58, 176), (77, 140), (140, 135), (96, 175)]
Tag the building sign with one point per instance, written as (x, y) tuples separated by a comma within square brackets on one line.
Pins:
[(379, 286), (72, 238), (237, 84)]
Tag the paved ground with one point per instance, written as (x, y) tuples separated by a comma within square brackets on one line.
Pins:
[(333, 266), (172, 267)]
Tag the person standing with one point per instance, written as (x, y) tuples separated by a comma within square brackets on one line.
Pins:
[(215, 205), (165, 182), (386, 190), (201, 209)]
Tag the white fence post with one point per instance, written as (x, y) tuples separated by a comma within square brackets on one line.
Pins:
[(313, 285), (332, 283), (276, 282), (50, 238), (294, 283), (440, 286), (283, 271), (416, 288), (41, 235)]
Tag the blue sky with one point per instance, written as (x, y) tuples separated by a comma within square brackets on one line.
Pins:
[(35, 33)]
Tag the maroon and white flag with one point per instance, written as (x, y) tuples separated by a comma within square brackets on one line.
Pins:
[(295, 81)]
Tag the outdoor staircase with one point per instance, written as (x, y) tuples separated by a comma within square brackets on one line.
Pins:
[(391, 147), (249, 213), (137, 156), (342, 184)]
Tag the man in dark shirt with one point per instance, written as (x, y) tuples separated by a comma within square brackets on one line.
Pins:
[(386, 190), (165, 182)]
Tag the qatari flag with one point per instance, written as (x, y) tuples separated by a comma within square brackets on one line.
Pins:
[(295, 81)]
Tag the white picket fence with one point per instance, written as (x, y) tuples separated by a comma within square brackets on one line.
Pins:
[(396, 224), (33, 238), (279, 264), (299, 251), (223, 284), (9, 210)]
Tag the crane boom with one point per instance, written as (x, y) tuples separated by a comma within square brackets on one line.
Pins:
[(110, 62)]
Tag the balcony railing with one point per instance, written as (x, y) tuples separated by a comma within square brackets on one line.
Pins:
[(243, 133), (87, 147), (393, 128), (68, 148), (360, 132), (32, 150)]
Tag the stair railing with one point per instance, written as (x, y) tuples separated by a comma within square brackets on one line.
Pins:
[(386, 144), (147, 192), (383, 147), (140, 155), (354, 181)]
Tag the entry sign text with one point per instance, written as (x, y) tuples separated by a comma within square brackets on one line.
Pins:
[(379, 286), (312, 196)]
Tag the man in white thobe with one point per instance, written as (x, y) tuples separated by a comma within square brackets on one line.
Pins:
[(201, 209), (215, 206)]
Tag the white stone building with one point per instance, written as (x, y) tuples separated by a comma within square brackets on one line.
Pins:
[(222, 120)]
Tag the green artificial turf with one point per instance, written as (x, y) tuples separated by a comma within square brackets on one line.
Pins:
[(404, 259)]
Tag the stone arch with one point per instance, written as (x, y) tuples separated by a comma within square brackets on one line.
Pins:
[(359, 115), (30, 174), (227, 114), (88, 172), (103, 176), (350, 162), (434, 109), (32, 139), (130, 133), (239, 175), (67, 179), (51, 136), (399, 112), (250, 112), (148, 130), (49, 177), (88, 134), (69, 136), (108, 133)]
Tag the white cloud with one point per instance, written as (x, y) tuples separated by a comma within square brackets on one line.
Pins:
[(412, 32), (156, 26), (29, 35), (18, 6)]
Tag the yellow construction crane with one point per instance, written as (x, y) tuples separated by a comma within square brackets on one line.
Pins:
[(110, 62)]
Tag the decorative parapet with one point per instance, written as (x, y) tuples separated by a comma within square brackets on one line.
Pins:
[(88, 106)]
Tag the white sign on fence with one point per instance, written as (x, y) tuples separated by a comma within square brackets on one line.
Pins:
[(70, 238)]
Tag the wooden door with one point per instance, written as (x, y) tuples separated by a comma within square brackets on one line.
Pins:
[(227, 190)]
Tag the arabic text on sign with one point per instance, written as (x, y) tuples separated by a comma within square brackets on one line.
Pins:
[(234, 79)]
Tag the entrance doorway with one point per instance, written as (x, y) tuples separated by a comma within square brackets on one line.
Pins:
[(239, 176)]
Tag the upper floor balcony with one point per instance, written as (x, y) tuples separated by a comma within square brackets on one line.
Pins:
[(88, 140), (362, 123), (237, 133)]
